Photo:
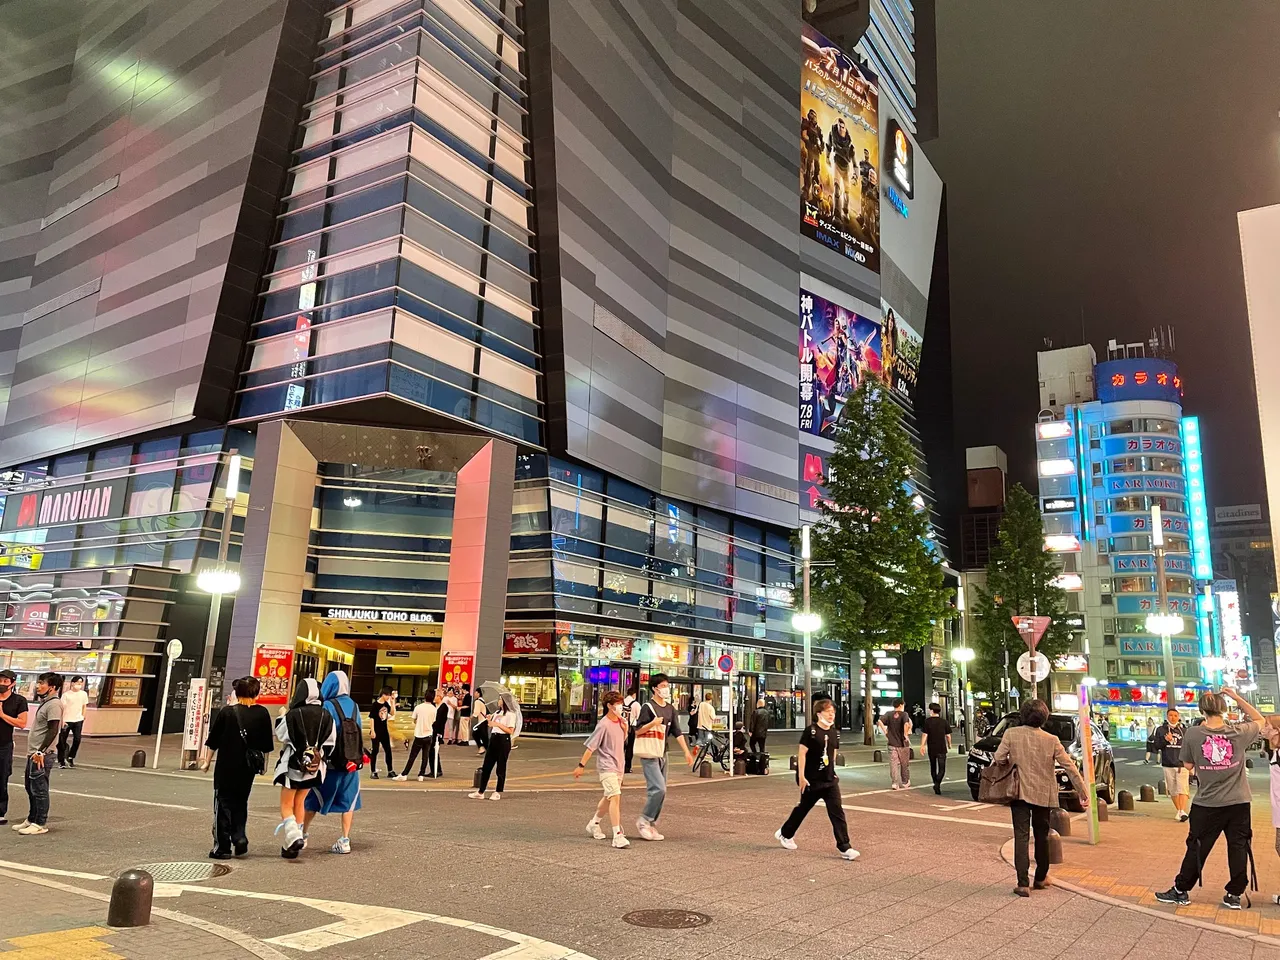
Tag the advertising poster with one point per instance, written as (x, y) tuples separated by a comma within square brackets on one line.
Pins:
[(273, 666), (457, 667), (838, 348), (902, 347), (839, 152)]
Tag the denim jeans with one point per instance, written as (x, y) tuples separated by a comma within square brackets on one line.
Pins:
[(37, 782), (655, 778)]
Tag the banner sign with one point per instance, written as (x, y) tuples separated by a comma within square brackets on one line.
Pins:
[(57, 505), (1140, 604), (1119, 446), (1145, 483), (193, 725), (1154, 647), (526, 643), (457, 667), (1130, 563), (1141, 523)]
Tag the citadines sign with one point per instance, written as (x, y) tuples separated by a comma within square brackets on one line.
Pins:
[(58, 505), (1240, 513)]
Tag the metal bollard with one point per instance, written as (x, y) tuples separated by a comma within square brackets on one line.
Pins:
[(139, 759), (1161, 788), (1058, 820), (1125, 800), (877, 757), (1102, 810), (131, 900), (1055, 847), (1147, 794)]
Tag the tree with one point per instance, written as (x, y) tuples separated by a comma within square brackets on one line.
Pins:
[(1020, 578), (876, 577)]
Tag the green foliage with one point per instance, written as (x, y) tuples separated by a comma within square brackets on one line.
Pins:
[(1019, 583)]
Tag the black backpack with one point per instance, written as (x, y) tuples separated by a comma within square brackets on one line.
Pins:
[(348, 746)]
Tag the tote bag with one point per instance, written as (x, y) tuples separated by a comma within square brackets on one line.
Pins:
[(651, 744)]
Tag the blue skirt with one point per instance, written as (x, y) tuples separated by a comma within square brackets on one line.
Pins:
[(338, 792)]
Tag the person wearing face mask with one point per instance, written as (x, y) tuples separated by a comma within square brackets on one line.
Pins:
[(816, 773), (74, 701), (13, 715), (609, 744), (657, 725)]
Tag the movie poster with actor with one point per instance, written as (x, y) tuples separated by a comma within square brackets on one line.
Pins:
[(839, 152), (901, 353), (838, 349)]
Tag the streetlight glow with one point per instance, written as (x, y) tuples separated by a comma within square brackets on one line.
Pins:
[(962, 654), (1164, 624), (233, 476), (218, 581), (806, 622)]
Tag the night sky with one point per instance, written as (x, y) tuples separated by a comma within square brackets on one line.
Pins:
[(1096, 153)]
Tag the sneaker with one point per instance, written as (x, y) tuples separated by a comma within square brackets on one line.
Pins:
[(422, 779), (35, 829), (894, 786), (343, 845), (593, 828), (294, 838), (787, 842), (3, 821), (219, 854), (374, 775), (475, 795), (850, 854), (495, 795), (1183, 816), (242, 851), (399, 778), (1231, 901), (647, 831), (619, 841), (71, 762), (21, 826), (1174, 895)]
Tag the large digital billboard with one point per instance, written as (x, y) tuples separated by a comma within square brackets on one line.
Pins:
[(838, 348), (839, 152), (902, 347)]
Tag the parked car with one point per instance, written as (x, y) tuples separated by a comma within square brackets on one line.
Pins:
[(1065, 726)]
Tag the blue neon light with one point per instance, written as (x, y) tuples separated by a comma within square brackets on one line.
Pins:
[(1193, 462)]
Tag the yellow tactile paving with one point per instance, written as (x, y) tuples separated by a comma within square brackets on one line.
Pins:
[(1237, 918), (1201, 911), (1070, 873), (1269, 927), (79, 944), (1095, 882), (1128, 890)]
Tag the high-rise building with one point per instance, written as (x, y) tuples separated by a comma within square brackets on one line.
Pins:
[(1114, 456), (467, 333)]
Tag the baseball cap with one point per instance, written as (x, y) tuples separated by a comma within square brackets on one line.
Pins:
[(9, 674)]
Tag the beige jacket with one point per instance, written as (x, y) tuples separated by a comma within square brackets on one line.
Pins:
[(1034, 753)]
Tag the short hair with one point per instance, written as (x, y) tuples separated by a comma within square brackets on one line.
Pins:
[(1213, 704), (1171, 710), (1034, 713), (77, 677), (935, 708), (52, 679), (821, 704), (247, 687), (385, 691), (610, 698), (657, 678), (897, 703), (708, 695)]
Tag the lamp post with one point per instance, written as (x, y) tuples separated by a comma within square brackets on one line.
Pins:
[(962, 656), (1162, 622)]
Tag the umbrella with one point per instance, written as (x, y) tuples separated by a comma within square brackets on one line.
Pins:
[(494, 692)]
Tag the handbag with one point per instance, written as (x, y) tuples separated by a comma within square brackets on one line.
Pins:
[(999, 783), (651, 744)]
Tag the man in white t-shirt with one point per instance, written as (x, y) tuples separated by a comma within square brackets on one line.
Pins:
[(74, 702), (424, 718)]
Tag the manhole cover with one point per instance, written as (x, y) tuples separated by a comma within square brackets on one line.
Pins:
[(188, 872), (667, 919)]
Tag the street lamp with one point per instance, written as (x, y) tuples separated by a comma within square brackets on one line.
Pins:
[(962, 656), (1214, 665)]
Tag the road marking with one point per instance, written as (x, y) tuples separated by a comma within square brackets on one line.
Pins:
[(142, 803), (49, 871), (966, 805), (84, 943), (930, 816)]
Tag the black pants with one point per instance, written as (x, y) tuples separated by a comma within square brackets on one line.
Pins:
[(757, 744), (380, 739), (937, 767), (496, 756), (480, 734), (1027, 819), (630, 749), (6, 771), (426, 747), (1205, 825), (230, 817), (70, 731), (829, 793)]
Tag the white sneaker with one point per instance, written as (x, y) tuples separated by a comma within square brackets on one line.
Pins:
[(32, 830), (787, 842), (850, 854), (620, 842), (647, 831), (400, 778), (475, 795), (1183, 816), (495, 795), (21, 826), (594, 829)]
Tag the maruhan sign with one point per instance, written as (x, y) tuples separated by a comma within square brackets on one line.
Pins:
[(1240, 513)]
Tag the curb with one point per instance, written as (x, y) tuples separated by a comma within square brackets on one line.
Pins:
[(1006, 854)]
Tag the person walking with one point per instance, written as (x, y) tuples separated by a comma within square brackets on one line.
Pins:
[(631, 713), (1215, 752), (240, 738), (339, 789), (706, 719), (74, 702), (609, 744), (896, 727), (13, 716), (759, 726), (694, 707), (816, 774), (502, 726), (380, 714), (935, 742), (424, 721), (1167, 738), (307, 735), (1034, 753), (657, 726)]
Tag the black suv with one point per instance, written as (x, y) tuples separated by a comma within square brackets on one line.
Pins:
[(1065, 726)]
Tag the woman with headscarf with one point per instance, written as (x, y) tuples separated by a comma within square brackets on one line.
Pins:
[(339, 789), (306, 735)]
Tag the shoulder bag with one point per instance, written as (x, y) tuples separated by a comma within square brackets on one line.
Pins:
[(650, 744), (254, 758), (999, 783)]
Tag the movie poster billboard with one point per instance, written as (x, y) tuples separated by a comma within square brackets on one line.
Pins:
[(901, 348), (839, 152), (838, 348)]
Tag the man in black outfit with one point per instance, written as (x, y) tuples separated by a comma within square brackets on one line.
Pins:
[(236, 729), (13, 715), (816, 771), (383, 709), (438, 728), (759, 726), (935, 741)]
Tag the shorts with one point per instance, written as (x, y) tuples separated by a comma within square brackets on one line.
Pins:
[(612, 784), (1177, 781)]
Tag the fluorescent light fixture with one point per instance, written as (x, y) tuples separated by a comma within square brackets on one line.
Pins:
[(1157, 527), (1057, 467), (962, 654), (351, 500), (804, 543), (1053, 430), (233, 476)]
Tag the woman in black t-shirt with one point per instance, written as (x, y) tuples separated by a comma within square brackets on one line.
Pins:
[(816, 773), (240, 732)]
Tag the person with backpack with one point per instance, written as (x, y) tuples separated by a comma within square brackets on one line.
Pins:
[(631, 713), (240, 738), (307, 734), (339, 789)]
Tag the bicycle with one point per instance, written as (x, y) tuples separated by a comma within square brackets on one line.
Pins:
[(716, 750)]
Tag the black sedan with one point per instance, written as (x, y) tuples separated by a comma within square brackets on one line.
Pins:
[(1066, 727)]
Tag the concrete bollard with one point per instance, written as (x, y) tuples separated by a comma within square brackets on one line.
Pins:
[(1248, 763), (1102, 810), (1161, 788), (739, 768), (139, 759), (704, 770), (131, 900), (877, 757), (839, 759), (1147, 794), (1058, 820), (1125, 800), (1055, 847), (794, 765)]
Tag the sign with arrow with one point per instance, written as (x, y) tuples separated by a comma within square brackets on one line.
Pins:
[(1031, 629)]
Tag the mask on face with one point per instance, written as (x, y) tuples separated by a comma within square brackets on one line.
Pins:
[(616, 709), (664, 693), (5, 686)]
